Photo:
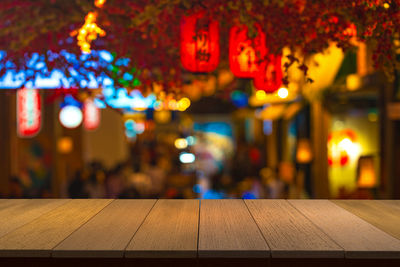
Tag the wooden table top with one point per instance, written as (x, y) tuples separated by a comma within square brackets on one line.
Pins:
[(194, 229)]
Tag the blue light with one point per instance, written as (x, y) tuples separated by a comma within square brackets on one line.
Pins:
[(70, 101), (127, 76), (78, 76), (130, 124), (191, 140), (130, 134), (212, 194), (248, 195), (99, 103), (106, 56), (267, 127), (221, 128), (197, 188), (239, 99)]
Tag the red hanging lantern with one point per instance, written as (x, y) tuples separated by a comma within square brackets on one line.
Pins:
[(91, 115), (269, 78), (29, 112), (245, 54), (199, 43)]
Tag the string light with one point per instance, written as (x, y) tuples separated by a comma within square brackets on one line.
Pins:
[(283, 93), (183, 104), (89, 31), (99, 3), (172, 104)]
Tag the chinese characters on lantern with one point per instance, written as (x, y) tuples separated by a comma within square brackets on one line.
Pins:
[(246, 54), (199, 43), (269, 76), (249, 58), (29, 112)]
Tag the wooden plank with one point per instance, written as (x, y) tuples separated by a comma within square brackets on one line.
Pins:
[(227, 230), (40, 236), (392, 203), (108, 233), (381, 214), (5, 203), (288, 233), (18, 212), (359, 238), (169, 231)]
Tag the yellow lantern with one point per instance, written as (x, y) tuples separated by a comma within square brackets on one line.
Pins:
[(304, 153), (366, 177)]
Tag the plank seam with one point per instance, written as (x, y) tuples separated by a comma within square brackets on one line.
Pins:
[(259, 229), (305, 216), (52, 250), (130, 240), (34, 219)]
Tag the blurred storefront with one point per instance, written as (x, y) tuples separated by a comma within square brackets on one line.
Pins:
[(333, 138)]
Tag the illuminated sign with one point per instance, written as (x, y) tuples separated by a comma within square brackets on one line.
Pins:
[(91, 115), (29, 112)]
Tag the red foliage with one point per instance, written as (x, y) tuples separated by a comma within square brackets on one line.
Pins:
[(148, 32)]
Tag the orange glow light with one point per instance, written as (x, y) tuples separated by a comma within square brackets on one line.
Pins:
[(99, 3), (89, 30)]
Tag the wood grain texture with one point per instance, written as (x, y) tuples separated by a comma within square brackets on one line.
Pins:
[(169, 231), (359, 238), (108, 233), (288, 233), (381, 214), (5, 203), (17, 212), (40, 236), (392, 203), (227, 230)]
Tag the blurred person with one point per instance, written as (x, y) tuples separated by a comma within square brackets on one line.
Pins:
[(115, 183), (77, 188), (296, 188), (141, 182), (157, 176), (15, 188), (96, 185), (274, 186), (241, 163)]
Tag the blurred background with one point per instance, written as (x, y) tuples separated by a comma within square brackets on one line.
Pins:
[(108, 100), (334, 138)]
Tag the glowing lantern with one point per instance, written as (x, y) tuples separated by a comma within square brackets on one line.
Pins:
[(269, 77), (91, 115), (29, 112), (304, 152), (65, 145), (366, 177), (70, 116), (245, 54), (199, 43)]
